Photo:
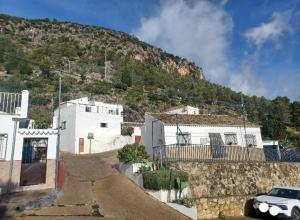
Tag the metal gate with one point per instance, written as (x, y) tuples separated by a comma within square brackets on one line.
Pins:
[(34, 161)]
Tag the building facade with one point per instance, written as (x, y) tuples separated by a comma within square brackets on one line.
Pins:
[(190, 129), (90, 126), (185, 109), (27, 155)]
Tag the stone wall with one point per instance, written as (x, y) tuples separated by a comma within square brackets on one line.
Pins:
[(228, 188)]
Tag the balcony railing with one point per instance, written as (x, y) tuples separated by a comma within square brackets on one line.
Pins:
[(9, 102), (202, 153)]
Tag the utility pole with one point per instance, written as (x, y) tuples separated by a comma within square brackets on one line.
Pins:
[(58, 135), (244, 120), (105, 63)]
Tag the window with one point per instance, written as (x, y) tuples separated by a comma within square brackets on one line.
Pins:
[(250, 140), (110, 111), (3, 144), (103, 125), (184, 138), (217, 145), (230, 139), (88, 108), (63, 125)]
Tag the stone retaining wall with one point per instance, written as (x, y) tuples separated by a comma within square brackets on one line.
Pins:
[(228, 188)]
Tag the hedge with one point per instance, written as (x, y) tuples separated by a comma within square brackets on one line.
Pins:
[(164, 179)]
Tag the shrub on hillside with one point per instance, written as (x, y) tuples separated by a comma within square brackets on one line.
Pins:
[(164, 179), (127, 131), (133, 153)]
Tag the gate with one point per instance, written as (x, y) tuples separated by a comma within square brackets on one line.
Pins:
[(34, 161)]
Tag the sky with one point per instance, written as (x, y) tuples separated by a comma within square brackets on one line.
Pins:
[(251, 46)]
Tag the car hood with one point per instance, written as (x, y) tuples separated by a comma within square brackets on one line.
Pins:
[(272, 199)]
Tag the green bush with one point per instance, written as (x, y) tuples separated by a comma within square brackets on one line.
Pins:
[(127, 131), (39, 100), (164, 179), (133, 153), (144, 169)]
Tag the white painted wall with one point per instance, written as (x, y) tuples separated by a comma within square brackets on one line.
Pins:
[(50, 134), (8, 125), (166, 134), (184, 110), (79, 123), (152, 136), (203, 131)]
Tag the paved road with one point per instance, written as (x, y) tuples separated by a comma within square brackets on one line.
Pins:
[(95, 189)]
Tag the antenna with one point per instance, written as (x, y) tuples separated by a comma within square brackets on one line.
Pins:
[(244, 120)]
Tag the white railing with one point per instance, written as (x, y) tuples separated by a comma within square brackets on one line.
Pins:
[(9, 102)]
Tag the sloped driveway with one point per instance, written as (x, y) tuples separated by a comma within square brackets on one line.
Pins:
[(95, 189)]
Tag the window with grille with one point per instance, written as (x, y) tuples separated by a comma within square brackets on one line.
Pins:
[(88, 109), (250, 140), (3, 145), (217, 145), (63, 125), (230, 139), (183, 138)]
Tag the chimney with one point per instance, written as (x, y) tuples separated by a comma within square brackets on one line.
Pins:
[(24, 103)]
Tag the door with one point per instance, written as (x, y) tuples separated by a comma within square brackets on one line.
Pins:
[(34, 161), (81, 145)]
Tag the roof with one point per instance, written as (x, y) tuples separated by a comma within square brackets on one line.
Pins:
[(201, 119)]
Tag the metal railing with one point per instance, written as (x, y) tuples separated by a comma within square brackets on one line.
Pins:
[(213, 153), (9, 102)]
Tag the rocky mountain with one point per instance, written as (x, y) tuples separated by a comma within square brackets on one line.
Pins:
[(90, 40)]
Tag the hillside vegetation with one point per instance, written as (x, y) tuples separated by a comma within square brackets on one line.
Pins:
[(139, 76)]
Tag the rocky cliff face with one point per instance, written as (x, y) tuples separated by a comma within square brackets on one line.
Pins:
[(88, 40)]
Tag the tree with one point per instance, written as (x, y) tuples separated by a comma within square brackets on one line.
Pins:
[(281, 109), (273, 128), (25, 68), (295, 111)]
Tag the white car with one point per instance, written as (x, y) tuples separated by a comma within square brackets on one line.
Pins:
[(280, 201)]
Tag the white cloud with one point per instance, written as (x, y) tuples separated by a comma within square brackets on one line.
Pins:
[(199, 31), (269, 31)]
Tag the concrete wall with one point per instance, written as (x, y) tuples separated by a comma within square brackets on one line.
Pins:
[(79, 123), (67, 138), (149, 139), (229, 187)]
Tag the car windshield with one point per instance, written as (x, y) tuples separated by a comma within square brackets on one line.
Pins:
[(285, 193)]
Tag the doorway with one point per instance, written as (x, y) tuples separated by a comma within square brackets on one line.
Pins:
[(34, 161)]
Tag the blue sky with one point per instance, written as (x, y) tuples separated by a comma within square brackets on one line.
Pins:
[(249, 45)]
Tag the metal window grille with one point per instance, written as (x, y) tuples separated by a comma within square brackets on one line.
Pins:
[(230, 139), (250, 140), (217, 145), (3, 145), (34, 150), (184, 138)]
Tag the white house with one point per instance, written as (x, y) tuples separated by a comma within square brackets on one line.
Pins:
[(90, 126), (27, 155), (183, 109), (189, 129)]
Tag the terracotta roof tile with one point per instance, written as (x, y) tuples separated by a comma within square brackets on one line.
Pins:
[(201, 119)]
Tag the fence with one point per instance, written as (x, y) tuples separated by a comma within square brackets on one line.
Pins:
[(199, 153), (9, 102)]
